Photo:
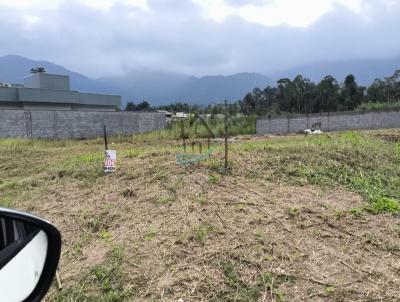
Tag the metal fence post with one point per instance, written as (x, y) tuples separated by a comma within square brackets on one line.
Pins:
[(226, 137)]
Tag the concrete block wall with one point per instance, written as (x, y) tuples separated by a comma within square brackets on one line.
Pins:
[(296, 124), (75, 124), (329, 122)]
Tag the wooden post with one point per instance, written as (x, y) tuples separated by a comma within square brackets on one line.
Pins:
[(226, 137), (30, 120), (105, 138), (183, 135), (208, 147)]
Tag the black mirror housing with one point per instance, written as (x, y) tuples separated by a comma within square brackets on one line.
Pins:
[(53, 250)]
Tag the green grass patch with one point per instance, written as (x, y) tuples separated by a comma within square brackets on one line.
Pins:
[(240, 125), (163, 200), (201, 232), (213, 178), (359, 162), (385, 204), (6, 201), (201, 199), (236, 289), (105, 282), (150, 235), (87, 167)]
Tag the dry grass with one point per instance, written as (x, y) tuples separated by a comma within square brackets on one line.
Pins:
[(155, 231)]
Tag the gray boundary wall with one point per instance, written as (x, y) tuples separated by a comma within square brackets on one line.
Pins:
[(75, 124), (329, 122)]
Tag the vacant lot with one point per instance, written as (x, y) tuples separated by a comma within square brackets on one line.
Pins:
[(296, 219)]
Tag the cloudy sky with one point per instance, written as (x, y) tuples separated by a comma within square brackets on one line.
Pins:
[(113, 37)]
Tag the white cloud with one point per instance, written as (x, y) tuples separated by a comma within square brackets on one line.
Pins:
[(185, 36), (301, 13), (31, 19), (274, 12), (107, 4), (38, 5), (30, 6)]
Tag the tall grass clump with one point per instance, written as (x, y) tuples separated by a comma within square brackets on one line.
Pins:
[(359, 162), (87, 166), (192, 128), (15, 144)]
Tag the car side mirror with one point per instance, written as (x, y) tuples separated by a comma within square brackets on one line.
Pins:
[(30, 249)]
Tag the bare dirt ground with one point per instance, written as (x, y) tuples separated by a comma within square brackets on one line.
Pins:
[(155, 231)]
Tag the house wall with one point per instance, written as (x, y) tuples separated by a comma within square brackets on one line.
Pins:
[(44, 80), (47, 96), (8, 95), (46, 99), (329, 122), (75, 124)]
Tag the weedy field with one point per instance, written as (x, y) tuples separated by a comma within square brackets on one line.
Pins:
[(297, 218)]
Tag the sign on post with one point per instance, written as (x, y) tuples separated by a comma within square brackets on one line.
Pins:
[(110, 160)]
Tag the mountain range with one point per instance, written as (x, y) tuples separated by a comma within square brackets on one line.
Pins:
[(365, 71), (164, 88), (167, 87)]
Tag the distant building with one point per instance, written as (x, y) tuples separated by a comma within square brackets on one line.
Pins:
[(181, 116), (207, 116), (178, 116), (168, 115), (50, 91)]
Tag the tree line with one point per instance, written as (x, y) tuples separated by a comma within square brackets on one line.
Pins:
[(299, 95)]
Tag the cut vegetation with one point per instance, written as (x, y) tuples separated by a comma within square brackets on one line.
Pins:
[(297, 219)]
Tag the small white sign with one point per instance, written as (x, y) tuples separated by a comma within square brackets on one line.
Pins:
[(110, 160)]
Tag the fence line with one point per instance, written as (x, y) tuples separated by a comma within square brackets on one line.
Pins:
[(75, 124), (337, 121)]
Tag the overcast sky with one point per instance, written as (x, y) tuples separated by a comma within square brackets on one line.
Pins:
[(113, 37)]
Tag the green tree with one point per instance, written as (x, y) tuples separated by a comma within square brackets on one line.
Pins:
[(376, 93), (309, 97), (270, 100), (393, 87), (143, 106), (327, 95), (130, 106), (249, 104), (352, 95), (286, 95)]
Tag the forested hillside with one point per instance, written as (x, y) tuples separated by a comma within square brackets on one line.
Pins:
[(301, 95)]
